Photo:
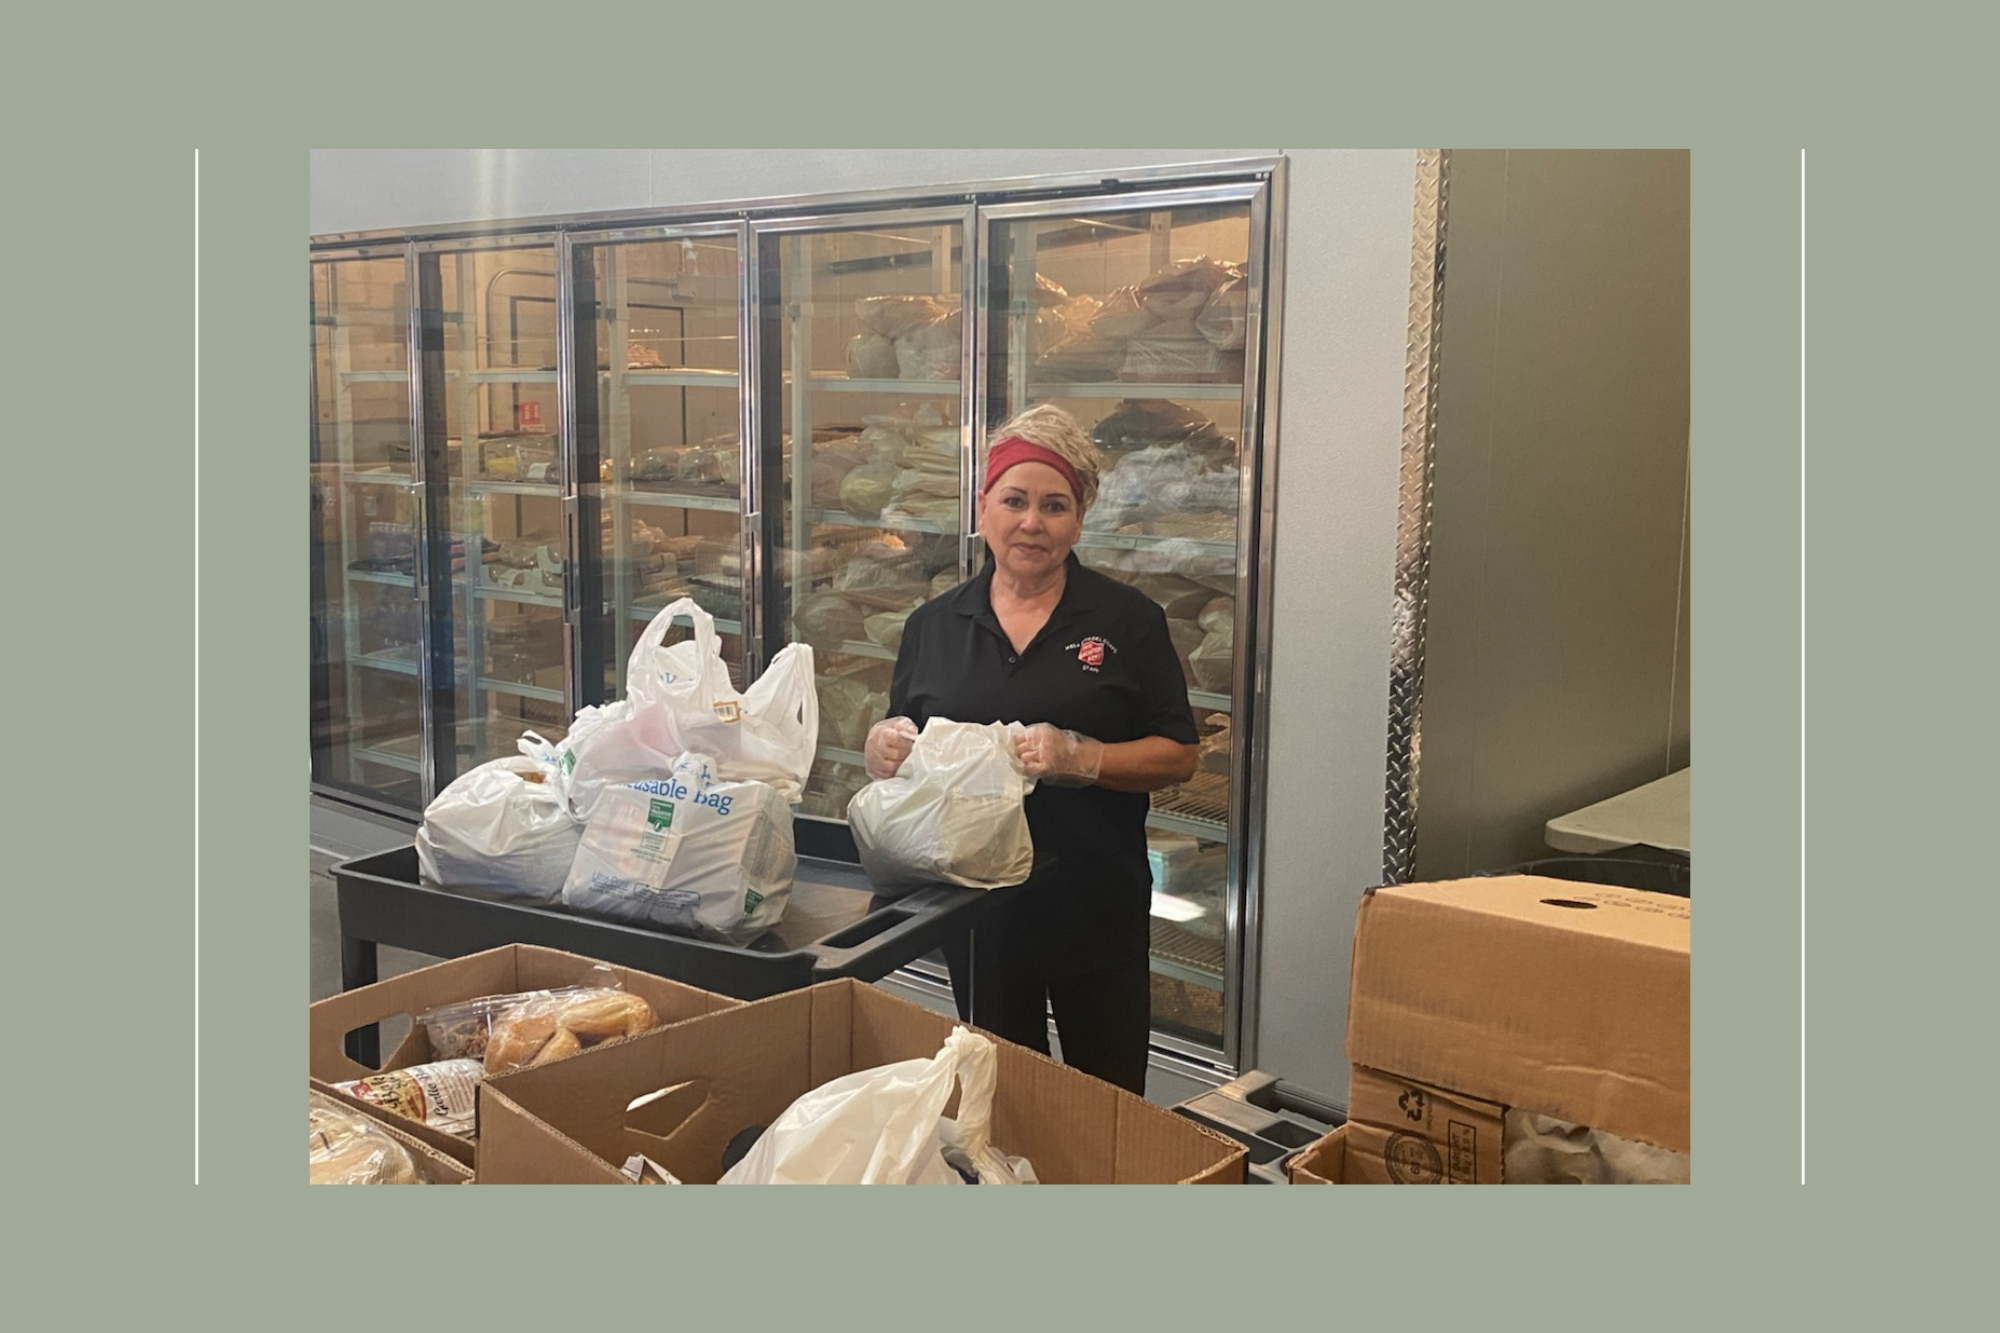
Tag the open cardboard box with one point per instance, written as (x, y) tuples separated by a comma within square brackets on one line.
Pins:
[(435, 1167), (503, 971), (699, 1084), (1477, 1004), (1324, 1163)]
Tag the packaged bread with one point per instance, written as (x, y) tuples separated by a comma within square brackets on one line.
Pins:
[(441, 1094), (1181, 290), (870, 356), (546, 1028), (894, 316), (345, 1147)]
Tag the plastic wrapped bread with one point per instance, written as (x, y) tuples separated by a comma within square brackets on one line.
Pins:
[(345, 1147)]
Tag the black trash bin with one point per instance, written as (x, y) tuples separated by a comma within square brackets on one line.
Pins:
[(1667, 874)]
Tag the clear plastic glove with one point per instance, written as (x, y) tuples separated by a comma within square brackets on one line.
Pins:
[(1057, 757), (889, 743)]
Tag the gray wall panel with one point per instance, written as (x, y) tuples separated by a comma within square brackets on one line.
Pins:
[(1555, 669)]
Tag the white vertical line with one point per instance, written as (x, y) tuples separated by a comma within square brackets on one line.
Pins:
[(197, 667), (1802, 666)]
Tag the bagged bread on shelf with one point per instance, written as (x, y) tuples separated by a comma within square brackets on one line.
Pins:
[(826, 620), (345, 1147), (1141, 423), (870, 356), (1215, 745), (886, 628), (931, 351), (1121, 316), (1211, 663), (1180, 290), (690, 853), (442, 1094), (502, 829), (893, 316), (867, 488), (1179, 358), (1225, 320), (847, 708), (953, 813)]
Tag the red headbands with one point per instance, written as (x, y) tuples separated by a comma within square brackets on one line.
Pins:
[(1007, 452)]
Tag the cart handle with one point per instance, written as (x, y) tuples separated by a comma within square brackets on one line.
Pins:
[(887, 932)]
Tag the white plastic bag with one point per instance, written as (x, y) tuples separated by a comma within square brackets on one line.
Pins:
[(503, 828), (688, 852), (951, 815), (679, 700), (886, 1126)]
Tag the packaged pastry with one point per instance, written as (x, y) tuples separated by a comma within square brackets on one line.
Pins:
[(546, 1028), (894, 316), (345, 1147)]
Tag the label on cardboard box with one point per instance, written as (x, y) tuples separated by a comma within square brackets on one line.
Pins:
[(1408, 1133)]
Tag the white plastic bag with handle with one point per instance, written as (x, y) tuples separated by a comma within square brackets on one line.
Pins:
[(502, 829), (679, 700), (886, 1126), (951, 815)]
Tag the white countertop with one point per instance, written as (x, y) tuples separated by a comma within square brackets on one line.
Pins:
[(1655, 814)]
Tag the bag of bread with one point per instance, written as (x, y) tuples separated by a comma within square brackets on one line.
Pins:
[(1181, 289), (953, 813), (442, 1095), (931, 351), (1122, 316), (345, 1147), (503, 829), (894, 316), (690, 853), (870, 356), (463, 1028), (1225, 320), (543, 1028)]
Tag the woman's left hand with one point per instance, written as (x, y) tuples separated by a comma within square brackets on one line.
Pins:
[(1057, 757)]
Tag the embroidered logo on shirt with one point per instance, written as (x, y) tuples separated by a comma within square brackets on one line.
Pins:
[(1091, 652)]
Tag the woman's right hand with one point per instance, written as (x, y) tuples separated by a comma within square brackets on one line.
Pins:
[(889, 743)]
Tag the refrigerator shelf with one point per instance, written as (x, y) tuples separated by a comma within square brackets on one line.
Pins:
[(1043, 391), (1186, 957)]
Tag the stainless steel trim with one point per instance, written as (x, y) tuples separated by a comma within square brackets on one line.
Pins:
[(1413, 515), (373, 804), (575, 622), (507, 240), (625, 235), (971, 378), (687, 214), (1193, 1054), (750, 454), (1126, 203), (898, 217), (413, 344), (1244, 910)]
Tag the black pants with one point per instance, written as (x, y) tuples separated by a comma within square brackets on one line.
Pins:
[(1103, 1015)]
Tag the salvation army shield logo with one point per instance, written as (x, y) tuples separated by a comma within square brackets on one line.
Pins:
[(1091, 653)]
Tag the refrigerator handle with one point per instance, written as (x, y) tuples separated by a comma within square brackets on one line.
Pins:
[(572, 538), (416, 490)]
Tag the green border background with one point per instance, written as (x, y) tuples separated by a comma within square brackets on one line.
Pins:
[(1187, 1257)]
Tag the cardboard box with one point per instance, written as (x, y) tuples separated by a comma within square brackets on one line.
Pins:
[(1324, 1163), (1471, 999), (569, 1122), (502, 971), (435, 1167)]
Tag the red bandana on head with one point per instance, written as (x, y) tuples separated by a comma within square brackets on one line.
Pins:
[(1005, 453)]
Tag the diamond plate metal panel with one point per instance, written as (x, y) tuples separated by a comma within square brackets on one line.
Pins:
[(1413, 516)]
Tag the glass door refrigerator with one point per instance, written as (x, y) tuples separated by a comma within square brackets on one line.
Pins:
[(662, 477), (863, 367), (367, 618), (493, 551), (1143, 314)]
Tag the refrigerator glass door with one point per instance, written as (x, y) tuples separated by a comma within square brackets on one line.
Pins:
[(863, 357), (367, 627), (661, 320), (493, 463), (1134, 318)]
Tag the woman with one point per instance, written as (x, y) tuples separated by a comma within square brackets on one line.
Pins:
[(1088, 663)]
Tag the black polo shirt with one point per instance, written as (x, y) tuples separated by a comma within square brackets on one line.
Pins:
[(1104, 665)]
